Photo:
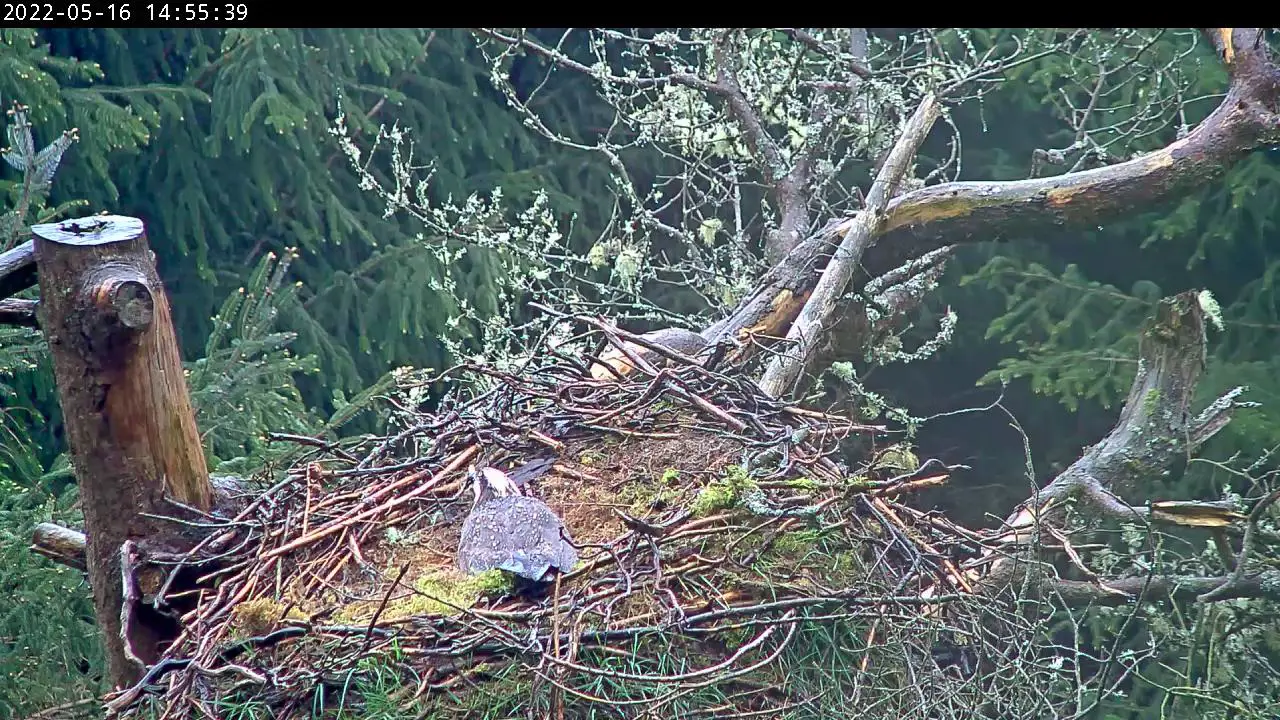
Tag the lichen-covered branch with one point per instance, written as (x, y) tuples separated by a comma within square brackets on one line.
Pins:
[(1155, 429), (810, 325), (1155, 432), (959, 212), (933, 217)]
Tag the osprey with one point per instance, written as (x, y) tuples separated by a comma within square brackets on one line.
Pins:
[(510, 531)]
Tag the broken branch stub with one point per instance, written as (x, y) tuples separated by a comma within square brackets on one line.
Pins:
[(1155, 431), (131, 430), (62, 545), (1155, 424)]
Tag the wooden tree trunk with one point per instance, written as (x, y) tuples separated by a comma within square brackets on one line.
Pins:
[(129, 422)]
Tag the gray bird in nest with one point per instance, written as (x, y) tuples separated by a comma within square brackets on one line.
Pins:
[(510, 531)]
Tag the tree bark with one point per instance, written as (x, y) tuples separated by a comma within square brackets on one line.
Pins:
[(815, 318), (924, 220), (130, 428), (17, 269)]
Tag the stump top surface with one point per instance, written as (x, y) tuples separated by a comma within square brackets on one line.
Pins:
[(90, 230)]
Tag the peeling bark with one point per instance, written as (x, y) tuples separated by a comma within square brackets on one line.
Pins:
[(130, 427)]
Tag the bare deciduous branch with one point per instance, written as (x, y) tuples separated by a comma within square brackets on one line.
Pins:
[(810, 325), (980, 211)]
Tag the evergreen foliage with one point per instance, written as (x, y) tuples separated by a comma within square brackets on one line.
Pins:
[(244, 384), (49, 647), (240, 163)]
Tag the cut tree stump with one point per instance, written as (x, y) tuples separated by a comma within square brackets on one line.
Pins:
[(130, 426)]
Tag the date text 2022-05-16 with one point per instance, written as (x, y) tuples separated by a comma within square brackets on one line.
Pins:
[(122, 13)]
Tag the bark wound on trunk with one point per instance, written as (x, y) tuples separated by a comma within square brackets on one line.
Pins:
[(130, 427)]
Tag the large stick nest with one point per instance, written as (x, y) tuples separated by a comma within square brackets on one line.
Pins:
[(733, 561)]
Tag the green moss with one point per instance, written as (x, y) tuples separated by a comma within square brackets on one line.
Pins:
[(803, 483), (1151, 401), (794, 545), (724, 492), (644, 496), (260, 616), (859, 482), (440, 593), (453, 589), (897, 458)]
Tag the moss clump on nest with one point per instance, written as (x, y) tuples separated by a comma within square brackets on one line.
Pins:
[(725, 492), (260, 616), (896, 459), (442, 592)]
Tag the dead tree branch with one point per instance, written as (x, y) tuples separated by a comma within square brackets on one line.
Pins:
[(18, 312), (958, 212), (17, 269), (1126, 591), (810, 325), (1155, 431), (962, 212)]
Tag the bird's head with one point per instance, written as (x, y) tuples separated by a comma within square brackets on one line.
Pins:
[(489, 482)]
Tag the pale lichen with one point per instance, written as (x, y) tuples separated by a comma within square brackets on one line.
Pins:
[(1212, 310)]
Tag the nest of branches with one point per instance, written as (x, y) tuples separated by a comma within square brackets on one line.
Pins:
[(734, 563)]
